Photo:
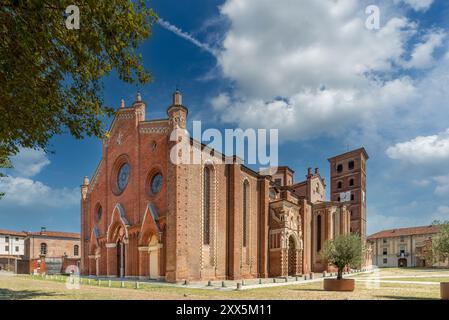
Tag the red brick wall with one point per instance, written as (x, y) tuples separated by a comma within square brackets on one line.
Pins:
[(145, 145)]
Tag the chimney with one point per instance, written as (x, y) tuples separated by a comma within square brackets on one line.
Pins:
[(316, 171), (177, 98), (309, 172), (43, 230)]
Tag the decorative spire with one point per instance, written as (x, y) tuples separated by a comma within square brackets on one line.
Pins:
[(177, 98), (139, 97), (86, 181), (122, 104)]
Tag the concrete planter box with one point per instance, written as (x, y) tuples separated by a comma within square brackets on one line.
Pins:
[(339, 285), (444, 288)]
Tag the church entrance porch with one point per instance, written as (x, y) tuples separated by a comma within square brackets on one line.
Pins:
[(292, 257)]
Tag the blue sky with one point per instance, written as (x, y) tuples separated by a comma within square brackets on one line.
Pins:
[(308, 68)]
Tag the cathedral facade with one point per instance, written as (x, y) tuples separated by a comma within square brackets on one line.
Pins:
[(143, 215)]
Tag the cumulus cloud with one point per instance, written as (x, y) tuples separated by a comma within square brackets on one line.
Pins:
[(422, 55), (422, 149), (27, 192), (314, 112), (382, 221), (442, 188), (378, 222), (29, 162), (417, 5), (293, 72), (441, 214), (20, 190), (421, 183), (220, 102)]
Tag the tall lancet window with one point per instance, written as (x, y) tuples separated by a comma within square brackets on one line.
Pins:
[(206, 205), (318, 233), (245, 212)]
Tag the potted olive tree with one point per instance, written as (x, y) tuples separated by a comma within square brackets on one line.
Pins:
[(440, 248), (343, 251)]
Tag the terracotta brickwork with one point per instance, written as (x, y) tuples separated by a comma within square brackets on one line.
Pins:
[(348, 175), (59, 245), (147, 213)]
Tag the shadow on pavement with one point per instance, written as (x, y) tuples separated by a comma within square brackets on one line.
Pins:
[(405, 298), (7, 294)]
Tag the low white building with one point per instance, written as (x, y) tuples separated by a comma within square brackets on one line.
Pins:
[(402, 247), (12, 248)]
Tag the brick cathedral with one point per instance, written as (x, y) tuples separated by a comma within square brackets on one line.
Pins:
[(144, 216)]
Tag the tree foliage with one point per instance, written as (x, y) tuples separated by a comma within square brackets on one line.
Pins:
[(4, 163), (50, 76), (440, 243), (344, 251)]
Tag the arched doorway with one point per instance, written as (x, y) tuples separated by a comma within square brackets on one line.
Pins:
[(120, 259), (402, 263), (291, 256)]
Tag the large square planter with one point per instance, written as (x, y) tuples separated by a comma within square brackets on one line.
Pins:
[(444, 288), (339, 285)]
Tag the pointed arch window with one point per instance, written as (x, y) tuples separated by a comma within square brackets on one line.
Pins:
[(245, 212), (206, 205)]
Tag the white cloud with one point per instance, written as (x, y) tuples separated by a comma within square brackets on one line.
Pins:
[(417, 5), (27, 192), (293, 72), (421, 183), (29, 162), (442, 188), (279, 51), (378, 222), (20, 190), (422, 55), (185, 35), (422, 149), (313, 112), (220, 102), (442, 214), (402, 217)]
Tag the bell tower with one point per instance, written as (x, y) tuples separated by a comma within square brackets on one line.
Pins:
[(348, 185)]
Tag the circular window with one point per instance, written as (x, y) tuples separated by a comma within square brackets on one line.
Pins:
[(122, 177), (156, 183), (99, 213)]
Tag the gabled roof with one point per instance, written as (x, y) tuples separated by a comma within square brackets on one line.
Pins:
[(405, 232)]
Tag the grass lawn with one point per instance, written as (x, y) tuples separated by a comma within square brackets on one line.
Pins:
[(25, 287)]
